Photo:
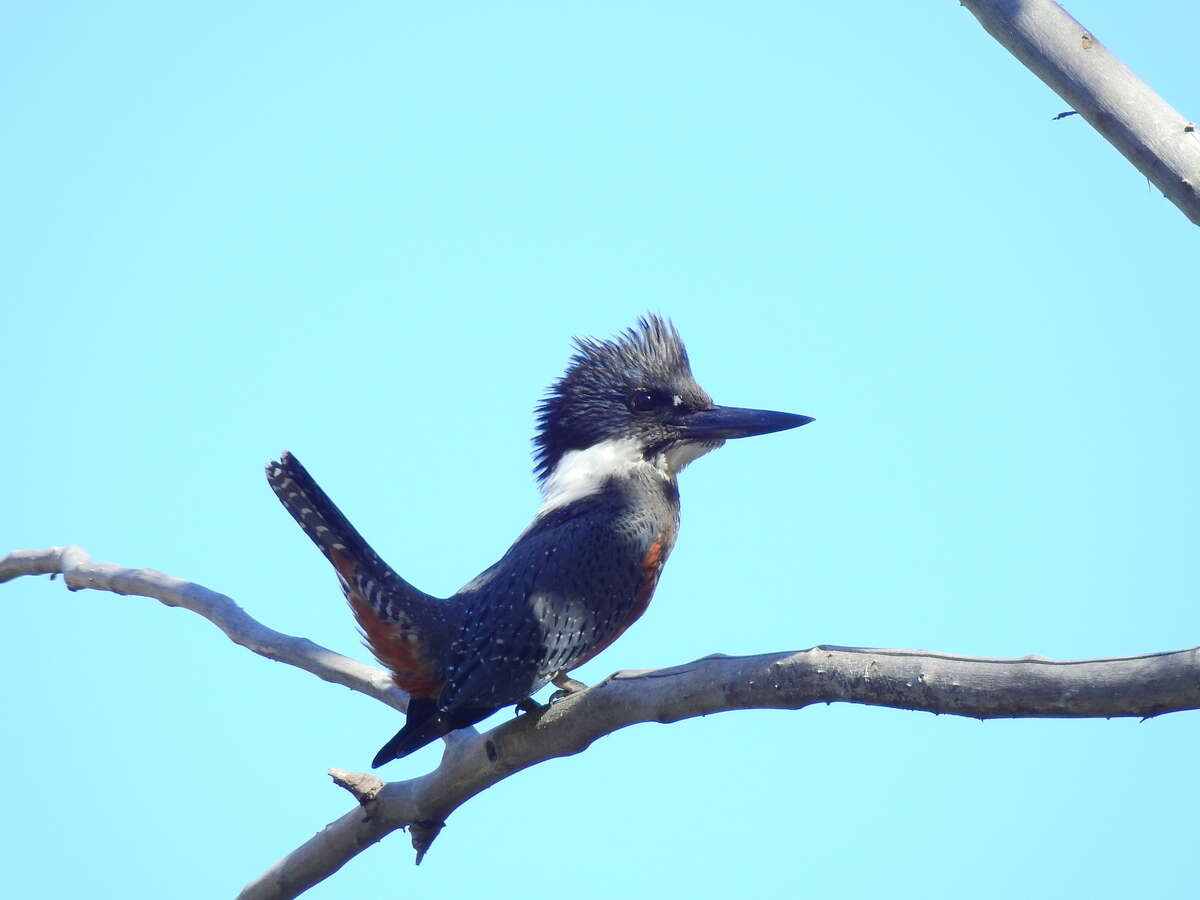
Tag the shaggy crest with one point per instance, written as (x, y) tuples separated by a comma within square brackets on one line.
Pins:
[(593, 395)]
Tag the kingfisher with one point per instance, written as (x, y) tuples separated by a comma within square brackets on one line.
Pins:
[(613, 434)]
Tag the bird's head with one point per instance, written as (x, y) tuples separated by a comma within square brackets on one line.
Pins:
[(634, 398)]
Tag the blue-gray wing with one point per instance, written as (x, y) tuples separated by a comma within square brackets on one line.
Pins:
[(563, 591)]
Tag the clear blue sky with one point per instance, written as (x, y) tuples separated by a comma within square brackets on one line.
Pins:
[(367, 234)]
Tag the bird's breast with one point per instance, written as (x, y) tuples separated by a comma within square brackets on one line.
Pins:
[(630, 608), (571, 585)]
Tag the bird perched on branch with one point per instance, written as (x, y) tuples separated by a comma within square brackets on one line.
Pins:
[(613, 434)]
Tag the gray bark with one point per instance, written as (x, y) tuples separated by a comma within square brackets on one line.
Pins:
[(984, 688), (1071, 60), (80, 572)]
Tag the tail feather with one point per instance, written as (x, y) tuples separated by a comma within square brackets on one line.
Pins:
[(321, 520), (425, 724), (422, 727), (409, 631)]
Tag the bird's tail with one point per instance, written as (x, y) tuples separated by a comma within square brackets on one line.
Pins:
[(321, 520), (409, 631), (426, 723)]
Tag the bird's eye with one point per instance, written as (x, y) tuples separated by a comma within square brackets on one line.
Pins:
[(644, 399)]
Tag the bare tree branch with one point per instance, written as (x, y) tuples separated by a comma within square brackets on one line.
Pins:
[(905, 679), (1070, 59), (980, 687), (80, 572)]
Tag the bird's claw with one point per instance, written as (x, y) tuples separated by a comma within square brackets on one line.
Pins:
[(528, 705)]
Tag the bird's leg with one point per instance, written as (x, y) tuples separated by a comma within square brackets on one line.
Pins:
[(566, 686), (565, 682)]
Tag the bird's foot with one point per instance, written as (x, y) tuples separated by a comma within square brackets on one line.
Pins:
[(528, 705)]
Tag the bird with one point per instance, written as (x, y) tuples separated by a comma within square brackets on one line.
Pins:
[(613, 434)]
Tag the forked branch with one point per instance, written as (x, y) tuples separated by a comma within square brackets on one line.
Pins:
[(984, 688)]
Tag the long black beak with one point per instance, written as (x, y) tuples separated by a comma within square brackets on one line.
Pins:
[(723, 422)]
